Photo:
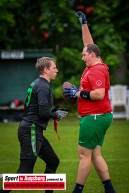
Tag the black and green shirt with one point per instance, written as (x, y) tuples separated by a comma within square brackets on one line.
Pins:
[(39, 103)]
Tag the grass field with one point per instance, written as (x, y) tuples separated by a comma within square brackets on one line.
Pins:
[(115, 151)]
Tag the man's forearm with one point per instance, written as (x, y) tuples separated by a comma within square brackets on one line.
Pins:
[(86, 35)]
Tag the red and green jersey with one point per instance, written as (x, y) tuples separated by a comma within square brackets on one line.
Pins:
[(95, 77)]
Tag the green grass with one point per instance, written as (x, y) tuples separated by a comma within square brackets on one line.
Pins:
[(115, 151)]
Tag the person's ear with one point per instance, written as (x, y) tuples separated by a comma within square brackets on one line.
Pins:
[(46, 70), (92, 54)]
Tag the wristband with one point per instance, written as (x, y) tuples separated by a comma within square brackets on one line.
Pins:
[(85, 95)]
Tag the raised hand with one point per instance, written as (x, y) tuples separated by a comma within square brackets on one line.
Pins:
[(82, 17)]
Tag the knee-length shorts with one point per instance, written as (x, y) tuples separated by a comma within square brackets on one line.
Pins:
[(93, 129)]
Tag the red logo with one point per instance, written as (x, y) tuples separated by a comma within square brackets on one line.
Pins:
[(98, 83)]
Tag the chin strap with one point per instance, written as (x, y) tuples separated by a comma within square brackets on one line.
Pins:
[(55, 128)]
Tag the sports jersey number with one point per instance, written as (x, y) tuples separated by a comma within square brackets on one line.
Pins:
[(29, 92)]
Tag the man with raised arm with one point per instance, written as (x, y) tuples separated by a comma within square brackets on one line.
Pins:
[(95, 111)]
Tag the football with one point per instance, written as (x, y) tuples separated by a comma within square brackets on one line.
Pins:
[(68, 85)]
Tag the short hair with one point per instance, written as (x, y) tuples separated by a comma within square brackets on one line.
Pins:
[(44, 62), (93, 48)]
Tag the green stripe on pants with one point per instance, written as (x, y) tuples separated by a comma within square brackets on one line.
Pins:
[(33, 139)]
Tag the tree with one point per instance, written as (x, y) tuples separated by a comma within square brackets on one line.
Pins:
[(52, 24)]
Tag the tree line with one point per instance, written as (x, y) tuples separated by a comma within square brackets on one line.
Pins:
[(48, 24)]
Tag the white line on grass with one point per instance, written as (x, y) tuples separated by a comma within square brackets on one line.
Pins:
[(68, 160)]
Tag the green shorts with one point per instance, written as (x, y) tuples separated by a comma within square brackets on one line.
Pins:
[(93, 129)]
